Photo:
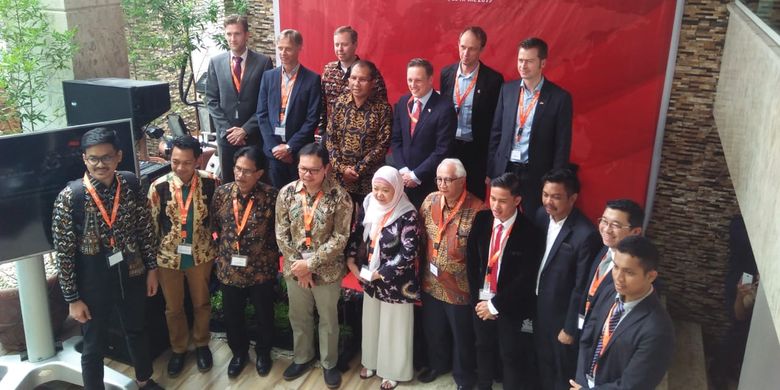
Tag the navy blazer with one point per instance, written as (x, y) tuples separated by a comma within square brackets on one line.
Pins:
[(433, 136), (550, 142), (564, 277), (229, 108), (639, 352), (519, 263), (303, 113)]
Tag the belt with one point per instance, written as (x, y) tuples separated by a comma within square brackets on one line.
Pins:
[(517, 166)]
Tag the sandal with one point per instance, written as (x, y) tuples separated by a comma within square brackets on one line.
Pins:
[(365, 373), (388, 384)]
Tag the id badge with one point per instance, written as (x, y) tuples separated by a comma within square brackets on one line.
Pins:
[(434, 270), (516, 155), (238, 261), (115, 258), (580, 321), (365, 274), (184, 249), (459, 133), (485, 295), (307, 255), (528, 326), (281, 131)]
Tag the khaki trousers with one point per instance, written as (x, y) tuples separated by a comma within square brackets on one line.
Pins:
[(388, 330), (302, 303), (172, 284)]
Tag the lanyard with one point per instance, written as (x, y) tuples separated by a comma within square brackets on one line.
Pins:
[(523, 113), (606, 335), (308, 214), (99, 203), (495, 256), (286, 88), (408, 111), (594, 286), (443, 226), (184, 208), (242, 224), (460, 98), (377, 231)]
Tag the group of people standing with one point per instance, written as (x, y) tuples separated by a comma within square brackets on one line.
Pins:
[(523, 289)]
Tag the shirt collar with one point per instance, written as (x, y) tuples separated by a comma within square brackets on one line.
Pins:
[(243, 55), (424, 99), (630, 305), (326, 185), (509, 222), (558, 224), (98, 185), (538, 86), (291, 74), (471, 74)]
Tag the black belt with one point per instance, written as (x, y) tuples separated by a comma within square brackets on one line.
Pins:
[(515, 166)]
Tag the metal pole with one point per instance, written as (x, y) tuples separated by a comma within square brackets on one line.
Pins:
[(33, 297)]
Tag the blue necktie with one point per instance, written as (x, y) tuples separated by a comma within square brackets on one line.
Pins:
[(617, 312)]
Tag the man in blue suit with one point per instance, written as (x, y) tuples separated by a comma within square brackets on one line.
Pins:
[(288, 109), (424, 125)]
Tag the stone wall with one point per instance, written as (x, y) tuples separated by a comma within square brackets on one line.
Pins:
[(261, 27)]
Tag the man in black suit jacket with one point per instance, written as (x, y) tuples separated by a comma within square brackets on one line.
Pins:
[(288, 109), (570, 243), (424, 125), (628, 341), (231, 95), (537, 138), (502, 253), (475, 101)]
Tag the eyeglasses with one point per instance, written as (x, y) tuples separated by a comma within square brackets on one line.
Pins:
[(107, 159), (243, 172), (446, 180), (612, 225), (312, 171)]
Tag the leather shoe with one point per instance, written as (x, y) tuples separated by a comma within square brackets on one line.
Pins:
[(263, 364), (295, 370), (428, 375), (236, 365), (176, 364), (204, 358), (332, 377)]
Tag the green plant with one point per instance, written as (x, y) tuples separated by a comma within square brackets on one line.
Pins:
[(31, 53), (281, 315), (216, 302)]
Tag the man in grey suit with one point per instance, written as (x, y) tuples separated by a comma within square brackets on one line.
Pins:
[(231, 93)]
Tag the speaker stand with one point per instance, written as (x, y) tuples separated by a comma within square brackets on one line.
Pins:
[(43, 363)]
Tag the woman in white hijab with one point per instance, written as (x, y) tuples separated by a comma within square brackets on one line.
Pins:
[(384, 264)]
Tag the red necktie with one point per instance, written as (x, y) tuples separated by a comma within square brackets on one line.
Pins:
[(493, 250), (237, 73), (415, 116)]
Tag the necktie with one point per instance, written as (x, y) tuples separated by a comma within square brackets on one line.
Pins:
[(614, 319), (415, 115), (237, 72), (493, 250)]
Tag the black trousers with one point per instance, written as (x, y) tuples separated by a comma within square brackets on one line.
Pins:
[(106, 291), (557, 362), (515, 353), (234, 303), (449, 334), (226, 153), (282, 173), (530, 187), (475, 162)]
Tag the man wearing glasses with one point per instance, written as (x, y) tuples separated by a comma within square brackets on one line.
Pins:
[(313, 217), (446, 312), (247, 257), (104, 241), (621, 218)]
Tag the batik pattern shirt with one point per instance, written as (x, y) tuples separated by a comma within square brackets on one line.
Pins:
[(335, 82)]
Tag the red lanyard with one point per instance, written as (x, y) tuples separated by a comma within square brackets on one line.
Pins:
[(460, 98), (242, 224), (443, 226), (308, 214), (184, 208), (377, 230), (495, 256), (286, 88), (99, 203), (522, 114)]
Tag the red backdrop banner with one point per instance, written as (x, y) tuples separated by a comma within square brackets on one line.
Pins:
[(610, 54)]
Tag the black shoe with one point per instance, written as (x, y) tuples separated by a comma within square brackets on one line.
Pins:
[(151, 385), (263, 364), (428, 375), (176, 364), (461, 387), (236, 365), (295, 370), (204, 358), (332, 377)]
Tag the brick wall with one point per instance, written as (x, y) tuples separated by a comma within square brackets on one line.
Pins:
[(261, 25)]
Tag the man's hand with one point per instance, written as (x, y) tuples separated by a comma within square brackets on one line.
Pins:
[(409, 180), (350, 175), (565, 338), (236, 136), (483, 312), (574, 385), (300, 268), (79, 311), (306, 281), (151, 283)]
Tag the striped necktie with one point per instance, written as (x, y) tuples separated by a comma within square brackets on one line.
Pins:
[(617, 312)]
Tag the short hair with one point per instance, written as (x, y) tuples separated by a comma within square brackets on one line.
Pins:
[(372, 70), (563, 176), (534, 43), (636, 216), (187, 142), (317, 150), (508, 181), (98, 136), (460, 170), (293, 35), (347, 29), (478, 32), (236, 19), (422, 62), (643, 249), (253, 153)]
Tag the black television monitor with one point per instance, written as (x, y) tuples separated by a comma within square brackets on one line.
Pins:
[(34, 168)]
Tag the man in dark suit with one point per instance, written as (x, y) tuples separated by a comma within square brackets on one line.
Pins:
[(628, 342), (531, 131), (501, 259), (424, 125), (570, 244), (473, 87), (288, 109), (231, 93)]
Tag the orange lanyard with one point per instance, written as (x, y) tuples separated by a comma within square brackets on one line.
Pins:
[(460, 98), (443, 226), (237, 80), (377, 231), (606, 335), (286, 88), (523, 113), (594, 285), (495, 256), (408, 111), (184, 208), (308, 214), (242, 224), (99, 203)]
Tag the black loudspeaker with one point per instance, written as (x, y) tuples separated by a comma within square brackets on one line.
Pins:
[(99, 100)]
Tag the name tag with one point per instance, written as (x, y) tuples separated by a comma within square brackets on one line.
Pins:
[(580, 321), (280, 131), (459, 133), (365, 274), (434, 270), (184, 249), (528, 326), (238, 261), (516, 156), (485, 295), (115, 258), (307, 255)]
